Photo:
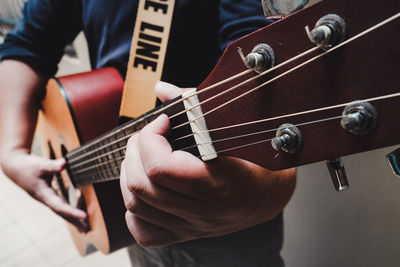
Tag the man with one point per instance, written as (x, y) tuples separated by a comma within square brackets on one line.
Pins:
[(222, 213)]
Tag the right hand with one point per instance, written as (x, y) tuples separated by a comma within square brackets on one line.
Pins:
[(19, 101), (34, 174)]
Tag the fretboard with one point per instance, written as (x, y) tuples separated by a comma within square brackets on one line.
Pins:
[(100, 160)]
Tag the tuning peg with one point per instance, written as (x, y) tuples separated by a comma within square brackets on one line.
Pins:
[(359, 118), (328, 31), (261, 58), (394, 161), (338, 174), (288, 139)]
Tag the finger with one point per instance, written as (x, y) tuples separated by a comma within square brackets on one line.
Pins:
[(149, 235), (49, 197), (152, 145), (122, 183), (155, 216), (134, 182), (166, 91), (132, 174), (49, 166), (179, 171)]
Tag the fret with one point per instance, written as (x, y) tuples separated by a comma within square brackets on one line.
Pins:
[(108, 157), (118, 162), (117, 154), (140, 124), (112, 156), (97, 173), (100, 160)]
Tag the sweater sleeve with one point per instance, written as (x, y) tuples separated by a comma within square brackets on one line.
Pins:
[(239, 18), (45, 28)]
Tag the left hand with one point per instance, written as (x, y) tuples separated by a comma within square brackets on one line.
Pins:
[(172, 196)]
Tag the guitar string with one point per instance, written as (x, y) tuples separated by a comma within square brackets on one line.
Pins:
[(244, 82), (308, 61), (130, 124), (291, 70), (274, 118), (75, 159), (269, 119), (289, 115), (262, 132), (212, 142)]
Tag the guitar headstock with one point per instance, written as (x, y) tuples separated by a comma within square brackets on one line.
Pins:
[(310, 96)]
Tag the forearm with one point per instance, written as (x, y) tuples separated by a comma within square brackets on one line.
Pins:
[(20, 91)]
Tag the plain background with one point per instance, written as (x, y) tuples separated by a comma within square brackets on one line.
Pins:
[(356, 227)]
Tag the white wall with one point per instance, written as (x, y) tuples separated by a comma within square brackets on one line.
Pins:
[(356, 227)]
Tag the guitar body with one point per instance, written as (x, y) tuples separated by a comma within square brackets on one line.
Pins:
[(311, 91), (76, 109)]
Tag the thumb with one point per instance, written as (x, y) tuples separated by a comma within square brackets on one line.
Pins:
[(153, 146), (166, 91)]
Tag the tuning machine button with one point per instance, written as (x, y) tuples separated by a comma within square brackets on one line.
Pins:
[(338, 174), (329, 31), (261, 58), (288, 138), (359, 118)]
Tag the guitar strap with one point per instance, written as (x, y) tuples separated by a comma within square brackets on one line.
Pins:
[(146, 58)]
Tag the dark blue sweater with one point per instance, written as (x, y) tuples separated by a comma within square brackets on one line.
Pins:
[(200, 31)]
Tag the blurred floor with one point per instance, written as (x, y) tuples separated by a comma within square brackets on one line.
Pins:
[(32, 235)]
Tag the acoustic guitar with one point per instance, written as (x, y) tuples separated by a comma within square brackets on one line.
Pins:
[(279, 97)]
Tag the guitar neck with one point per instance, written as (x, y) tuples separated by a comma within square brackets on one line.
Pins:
[(100, 160), (309, 87)]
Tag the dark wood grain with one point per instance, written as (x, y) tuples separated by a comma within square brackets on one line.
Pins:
[(366, 67)]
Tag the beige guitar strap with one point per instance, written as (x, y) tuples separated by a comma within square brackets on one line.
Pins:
[(147, 54)]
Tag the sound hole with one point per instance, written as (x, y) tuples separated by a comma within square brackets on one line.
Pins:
[(57, 181), (75, 195)]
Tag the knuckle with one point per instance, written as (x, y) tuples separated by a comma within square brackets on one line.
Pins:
[(132, 205), (131, 184), (154, 172), (135, 188)]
